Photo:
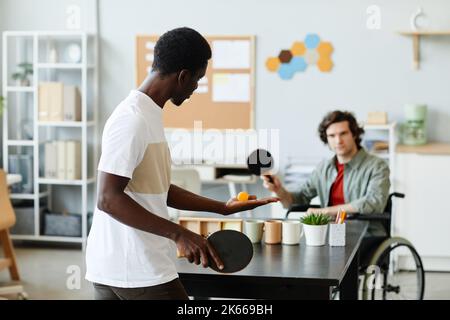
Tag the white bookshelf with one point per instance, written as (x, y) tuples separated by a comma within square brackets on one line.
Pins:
[(22, 103), (20, 89), (387, 133)]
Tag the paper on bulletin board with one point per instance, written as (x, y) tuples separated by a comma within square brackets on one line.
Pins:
[(203, 81), (150, 45), (202, 85), (149, 57), (202, 89), (231, 87), (231, 54)]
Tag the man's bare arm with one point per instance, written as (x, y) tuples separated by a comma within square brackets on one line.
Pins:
[(182, 199), (113, 200)]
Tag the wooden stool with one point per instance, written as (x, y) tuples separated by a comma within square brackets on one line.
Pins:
[(7, 220)]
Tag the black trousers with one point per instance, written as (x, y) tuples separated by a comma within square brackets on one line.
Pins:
[(172, 290)]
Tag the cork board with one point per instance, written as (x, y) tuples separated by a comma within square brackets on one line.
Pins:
[(225, 97)]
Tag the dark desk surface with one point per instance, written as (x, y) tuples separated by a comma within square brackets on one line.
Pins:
[(324, 266)]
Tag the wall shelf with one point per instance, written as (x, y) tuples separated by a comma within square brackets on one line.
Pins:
[(416, 41)]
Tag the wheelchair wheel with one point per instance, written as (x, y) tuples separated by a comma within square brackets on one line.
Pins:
[(383, 280)]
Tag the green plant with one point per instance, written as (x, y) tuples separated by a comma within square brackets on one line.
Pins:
[(26, 69), (316, 219)]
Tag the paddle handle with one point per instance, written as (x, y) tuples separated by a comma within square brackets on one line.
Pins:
[(269, 177)]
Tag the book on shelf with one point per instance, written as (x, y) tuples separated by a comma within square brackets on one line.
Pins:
[(377, 118), (22, 164), (50, 164), (59, 102), (60, 160), (376, 145), (43, 101), (72, 103), (14, 167), (63, 160), (73, 160), (26, 170), (50, 101)]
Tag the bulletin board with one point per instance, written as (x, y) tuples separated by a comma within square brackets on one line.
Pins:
[(225, 96)]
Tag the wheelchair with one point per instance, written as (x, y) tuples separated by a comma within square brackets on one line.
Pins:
[(380, 275)]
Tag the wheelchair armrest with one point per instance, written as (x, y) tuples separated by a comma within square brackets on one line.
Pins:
[(301, 208), (369, 217)]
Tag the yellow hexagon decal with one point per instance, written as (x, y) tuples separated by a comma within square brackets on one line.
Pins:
[(272, 64), (298, 49), (325, 64), (325, 48)]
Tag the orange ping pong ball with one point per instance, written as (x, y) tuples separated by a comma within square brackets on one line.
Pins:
[(243, 196)]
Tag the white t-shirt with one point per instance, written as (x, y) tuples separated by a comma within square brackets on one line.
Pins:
[(133, 146)]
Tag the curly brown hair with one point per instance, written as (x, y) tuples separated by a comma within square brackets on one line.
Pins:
[(339, 116)]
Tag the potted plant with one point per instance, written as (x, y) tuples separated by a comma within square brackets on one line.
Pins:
[(26, 69), (315, 226)]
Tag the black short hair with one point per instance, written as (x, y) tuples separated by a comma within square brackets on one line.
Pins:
[(181, 48), (339, 116)]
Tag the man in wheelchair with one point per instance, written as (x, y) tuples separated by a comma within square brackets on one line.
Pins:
[(357, 182), (352, 180)]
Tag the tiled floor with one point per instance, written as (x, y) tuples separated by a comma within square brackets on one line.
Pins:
[(58, 273)]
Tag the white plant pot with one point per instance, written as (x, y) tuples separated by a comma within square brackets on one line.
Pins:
[(315, 235)]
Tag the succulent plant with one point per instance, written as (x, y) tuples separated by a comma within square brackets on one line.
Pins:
[(316, 219)]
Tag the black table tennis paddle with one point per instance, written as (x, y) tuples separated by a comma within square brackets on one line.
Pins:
[(260, 162), (234, 249)]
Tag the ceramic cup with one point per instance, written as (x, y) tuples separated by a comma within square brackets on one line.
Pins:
[(272, 231), (254, 230), (292, 231)]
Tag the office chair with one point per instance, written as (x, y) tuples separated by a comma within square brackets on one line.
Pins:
[(7, 220), (379, 260)]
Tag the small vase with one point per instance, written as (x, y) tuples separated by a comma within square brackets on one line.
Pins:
[(315, 235), (23, 83)]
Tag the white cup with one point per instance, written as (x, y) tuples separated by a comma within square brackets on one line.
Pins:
[(254, 230), (292, 231)]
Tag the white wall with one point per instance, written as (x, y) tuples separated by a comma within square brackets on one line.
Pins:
[(373, 68)]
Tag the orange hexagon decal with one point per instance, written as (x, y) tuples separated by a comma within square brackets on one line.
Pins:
[(298, 48), (273, 64), (325, 48), (325, 64)]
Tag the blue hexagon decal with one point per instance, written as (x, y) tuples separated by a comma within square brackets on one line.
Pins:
[(286, 71), (312, 40), (298, 64)]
